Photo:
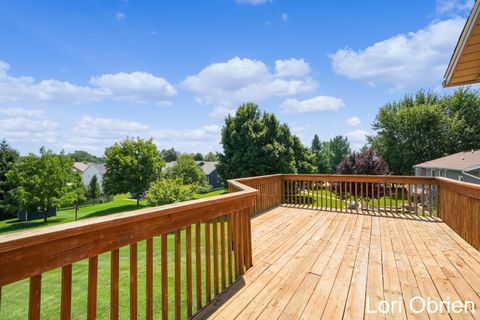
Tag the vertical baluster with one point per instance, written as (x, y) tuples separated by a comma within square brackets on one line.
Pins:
[(415, 199), (222, 248), (149, 279), (229, 249), (361, 196), (385, 197), (341, 184), (235, 245), (249, 241), (403, 197), (391, 198), (208, 281), (430, 200), (367, 197), (164, 276), (396, 198), (409, 195), (240, 241), (351, 193), (133, 281), (66, 302), (178, 278), (316, 194), (423, 199), (92, 288), (373, 197), (356, 196), (114, 276), (215, 256), (378, 197), (34, 297), (330, 189), (188, 274), (198, 265)]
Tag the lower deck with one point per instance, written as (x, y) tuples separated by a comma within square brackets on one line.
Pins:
[(311, 264)]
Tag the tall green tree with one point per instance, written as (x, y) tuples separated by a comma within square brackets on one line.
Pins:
[(80, 193), (93, 188), (198, 156), (413, 130), (42, 182), (132, 166), (84, 156), (169, 155), (211, 156), (339, 148), (256, 143), (8, 156), (323, 156)]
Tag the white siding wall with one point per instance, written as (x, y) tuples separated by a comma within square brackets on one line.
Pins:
[(88, 175)]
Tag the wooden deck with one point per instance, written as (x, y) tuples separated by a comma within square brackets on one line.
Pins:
[(311, 264)]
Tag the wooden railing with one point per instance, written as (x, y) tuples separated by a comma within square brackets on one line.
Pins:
[(269, 191), (209, 240), (459, 204), (354, 193), (210, 247)]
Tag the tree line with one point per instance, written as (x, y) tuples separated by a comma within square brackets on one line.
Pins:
[(418, 128)]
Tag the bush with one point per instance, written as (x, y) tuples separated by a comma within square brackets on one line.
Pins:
[(165, 191)]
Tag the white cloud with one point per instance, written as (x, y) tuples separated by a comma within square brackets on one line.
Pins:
[(354, 121), (284, 17), (27, 126), (415, 58), (291, 68), (190, 140), (253, 2), (316, 104), (230, 83), (453, 7), (135, 87), (221, 112), (120, 16), (357, 138), (20, 112)]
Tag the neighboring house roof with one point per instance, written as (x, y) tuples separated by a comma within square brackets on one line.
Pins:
[(102, 169), (459, 161), (81, 166), (464, 66), (207, 166)]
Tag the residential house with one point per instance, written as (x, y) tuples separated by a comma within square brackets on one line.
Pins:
[(210, 170), (88, 170), (462, 166)]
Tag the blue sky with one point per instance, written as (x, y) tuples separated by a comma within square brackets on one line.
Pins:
[(83, 74)]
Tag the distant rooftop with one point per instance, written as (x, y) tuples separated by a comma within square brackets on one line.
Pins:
[(206, 166), (459, 161)]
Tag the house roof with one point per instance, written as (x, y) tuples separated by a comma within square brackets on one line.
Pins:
[(458, 161), (102, 169), (207, 166), (464, 66), (81, 166)]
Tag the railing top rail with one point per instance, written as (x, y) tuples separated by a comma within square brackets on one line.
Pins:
[(462, 187), (28, 253), (362, 178)]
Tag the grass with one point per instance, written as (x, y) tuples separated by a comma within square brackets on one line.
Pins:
[(121, 203)]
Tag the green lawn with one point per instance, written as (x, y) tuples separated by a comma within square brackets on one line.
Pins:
[(121, 203), (14, 297)]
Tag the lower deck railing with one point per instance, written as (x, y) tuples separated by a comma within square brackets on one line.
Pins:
[(173, 260)]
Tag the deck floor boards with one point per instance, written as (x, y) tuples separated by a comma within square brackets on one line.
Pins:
[(313, 264)]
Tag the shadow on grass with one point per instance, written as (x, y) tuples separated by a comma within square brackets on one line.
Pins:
[(17, 225), (113, 210)]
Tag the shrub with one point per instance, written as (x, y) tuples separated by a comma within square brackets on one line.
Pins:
[(165, 191)]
